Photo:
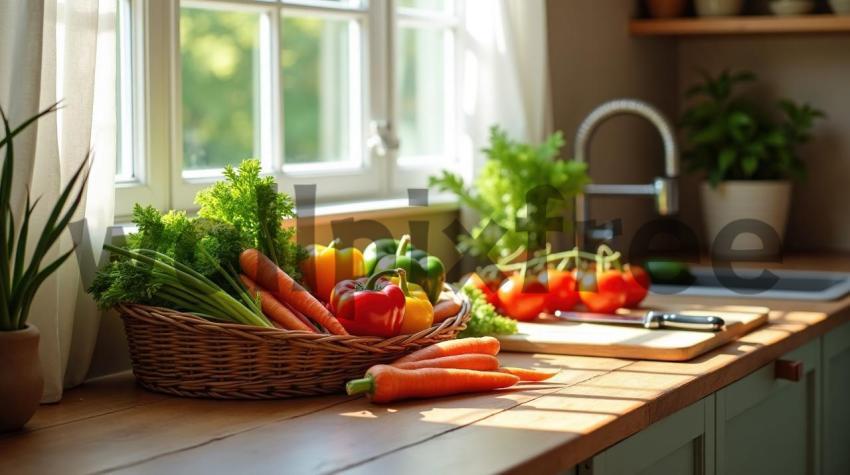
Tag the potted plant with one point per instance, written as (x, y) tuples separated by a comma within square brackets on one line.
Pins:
[(22, 271), (515, 178), (748, 155)]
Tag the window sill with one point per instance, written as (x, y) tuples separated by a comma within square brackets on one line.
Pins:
[(383, 208), (365, 209)]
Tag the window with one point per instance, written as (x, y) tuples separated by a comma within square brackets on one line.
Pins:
[(318, 91)]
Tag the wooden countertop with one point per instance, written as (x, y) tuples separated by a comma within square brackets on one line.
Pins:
[(111, 425)]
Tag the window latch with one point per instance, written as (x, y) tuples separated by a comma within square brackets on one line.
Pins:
[(382, 138)]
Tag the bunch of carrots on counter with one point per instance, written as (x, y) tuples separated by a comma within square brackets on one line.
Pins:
[(443, 369)]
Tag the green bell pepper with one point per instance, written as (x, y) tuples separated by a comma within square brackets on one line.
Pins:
[(376, 251), (427, 271)]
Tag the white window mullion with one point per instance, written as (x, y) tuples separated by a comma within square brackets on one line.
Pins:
[(276, 88), (382, 89), (266, 86), (411, 169), (151, 58), (175, 94)]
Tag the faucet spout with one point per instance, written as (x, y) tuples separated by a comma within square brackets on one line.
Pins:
[(663, 189)]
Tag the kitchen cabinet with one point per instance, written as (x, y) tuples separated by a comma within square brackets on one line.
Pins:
[(835, 365), (762, 423), (682, 443), (767, 424)]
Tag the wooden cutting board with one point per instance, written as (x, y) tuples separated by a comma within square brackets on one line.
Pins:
[(551, 335)]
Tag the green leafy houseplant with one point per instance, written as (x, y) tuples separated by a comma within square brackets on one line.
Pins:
[(499, 193), (22, 270), (730, 138)]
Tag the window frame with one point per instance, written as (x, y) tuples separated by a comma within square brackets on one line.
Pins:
[(407, 170), (158, 177)]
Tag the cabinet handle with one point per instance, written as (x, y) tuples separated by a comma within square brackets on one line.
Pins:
[(789, 370)]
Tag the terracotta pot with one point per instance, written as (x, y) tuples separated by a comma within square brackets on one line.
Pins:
[(718, 7), (766, 202), (20, 379), (666, 8)]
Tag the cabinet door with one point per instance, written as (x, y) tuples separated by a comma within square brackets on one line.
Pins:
[(682, 443), (770, 425), (836, 394)]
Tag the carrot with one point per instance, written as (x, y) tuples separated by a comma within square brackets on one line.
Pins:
[(302, 317), (444, 309), (269, 276), (274, 309), (469, 361), (485, 345), (529, 374), (384, 383)]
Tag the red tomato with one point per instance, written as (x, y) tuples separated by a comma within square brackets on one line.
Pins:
[(604, 292), (637, 285), (522, 303), (489, 289), (563, 294)]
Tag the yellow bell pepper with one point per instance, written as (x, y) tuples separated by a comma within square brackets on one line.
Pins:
[(418, 311), (325, 266), (416, 290)]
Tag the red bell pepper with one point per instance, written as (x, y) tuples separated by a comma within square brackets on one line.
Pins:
[(369, 307)]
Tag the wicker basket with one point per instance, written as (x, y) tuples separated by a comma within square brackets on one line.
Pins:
[(179, 353)]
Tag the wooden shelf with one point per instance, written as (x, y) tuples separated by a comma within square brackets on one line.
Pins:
[(745, 25)]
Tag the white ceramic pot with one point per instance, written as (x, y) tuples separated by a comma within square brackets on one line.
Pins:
[(718, 7), (767, 202), (840, 7), (791, 7)]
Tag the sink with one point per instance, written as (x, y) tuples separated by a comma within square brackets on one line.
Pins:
[(751, 283)]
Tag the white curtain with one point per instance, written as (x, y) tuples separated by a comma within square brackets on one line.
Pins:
[(504, 73), (64, 50), (504, 77)]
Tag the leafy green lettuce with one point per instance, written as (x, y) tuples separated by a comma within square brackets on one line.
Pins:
[(484, 320)]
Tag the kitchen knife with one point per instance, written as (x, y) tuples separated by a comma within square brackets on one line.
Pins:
[(652, 320)]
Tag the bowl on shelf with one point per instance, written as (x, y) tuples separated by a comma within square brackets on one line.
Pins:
[(840, 7), (711, 8), (666, 8), (791, 7)]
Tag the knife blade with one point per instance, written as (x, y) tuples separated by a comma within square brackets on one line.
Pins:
[(651, 320)]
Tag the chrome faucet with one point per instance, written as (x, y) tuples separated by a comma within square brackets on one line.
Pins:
[(664, 189)]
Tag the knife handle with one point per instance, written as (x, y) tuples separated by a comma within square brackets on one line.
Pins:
[(684, 322)]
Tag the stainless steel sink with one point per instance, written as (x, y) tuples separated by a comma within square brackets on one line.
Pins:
[(751, 283)]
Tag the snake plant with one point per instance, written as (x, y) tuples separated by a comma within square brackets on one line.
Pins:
[(22, 271)]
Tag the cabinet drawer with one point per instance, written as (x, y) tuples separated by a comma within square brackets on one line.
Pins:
[(681, 443), (766, 424)]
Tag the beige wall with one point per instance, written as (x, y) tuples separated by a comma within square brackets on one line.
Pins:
[(814, 69), (593, 59)]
